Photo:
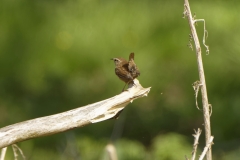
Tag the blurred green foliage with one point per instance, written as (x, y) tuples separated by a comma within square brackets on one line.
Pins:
[(164, 147), (54, 56)]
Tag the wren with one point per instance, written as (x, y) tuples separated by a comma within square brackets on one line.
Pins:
[(127, 71)]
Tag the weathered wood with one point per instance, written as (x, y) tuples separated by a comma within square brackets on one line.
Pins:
[(71, 119)]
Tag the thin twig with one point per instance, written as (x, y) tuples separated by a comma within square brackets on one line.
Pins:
[(206, 148), (206, 114), (195, 144), (111, 150), (196, 85), (3, 153), (205, 34), (15, 149)]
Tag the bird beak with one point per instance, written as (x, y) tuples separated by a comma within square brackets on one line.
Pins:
[(112, 59)]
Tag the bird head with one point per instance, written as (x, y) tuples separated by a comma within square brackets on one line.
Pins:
[(118, 61)]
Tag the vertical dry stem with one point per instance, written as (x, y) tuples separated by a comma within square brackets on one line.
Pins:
[(206, 115)]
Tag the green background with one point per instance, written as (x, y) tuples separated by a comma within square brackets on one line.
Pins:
[(55, 56)]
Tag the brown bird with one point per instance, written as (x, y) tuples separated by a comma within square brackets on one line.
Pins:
[(126, 71)]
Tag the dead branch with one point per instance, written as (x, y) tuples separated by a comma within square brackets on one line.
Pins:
[(206, 148), (71, 119), (195, 144), (3, 153), (187, 13), (111, 151), (15, 150)]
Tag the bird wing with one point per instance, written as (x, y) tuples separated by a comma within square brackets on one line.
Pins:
[(123, 74)]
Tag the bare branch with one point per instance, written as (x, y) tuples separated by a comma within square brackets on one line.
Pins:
[(195, 144), (111, 150), (206, 148), (3, 153), (15, 149), (71, 119)]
